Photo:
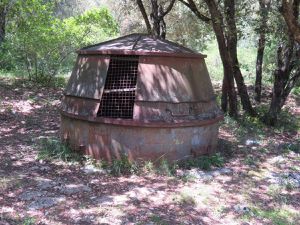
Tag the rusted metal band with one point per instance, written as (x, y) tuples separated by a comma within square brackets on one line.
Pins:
[(179, 102), (142, 53), (146, 101), (135, 123), (81, 97)]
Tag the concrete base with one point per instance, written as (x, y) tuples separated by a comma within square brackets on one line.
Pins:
[(105, 141)]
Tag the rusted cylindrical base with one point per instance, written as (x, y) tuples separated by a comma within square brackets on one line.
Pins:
[(105, 141)]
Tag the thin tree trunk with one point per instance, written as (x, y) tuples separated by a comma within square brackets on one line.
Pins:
[(242, 89), (232, 47), (162, 23), (259, 62), (144, 14), (3, 13), (275, 106), (281, 79), (224, 96), (264, 10), (157, 17), (228, 89)]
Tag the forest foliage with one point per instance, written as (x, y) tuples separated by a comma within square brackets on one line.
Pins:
[(41, 43)]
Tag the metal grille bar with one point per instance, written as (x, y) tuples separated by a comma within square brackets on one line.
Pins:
[(120, 86)]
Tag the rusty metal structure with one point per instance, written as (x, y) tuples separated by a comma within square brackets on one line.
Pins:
[(140, 96)]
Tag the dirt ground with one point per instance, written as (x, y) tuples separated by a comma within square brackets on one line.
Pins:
[(259, 183)]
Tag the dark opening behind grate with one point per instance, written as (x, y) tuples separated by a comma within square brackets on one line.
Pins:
[(120, 86)]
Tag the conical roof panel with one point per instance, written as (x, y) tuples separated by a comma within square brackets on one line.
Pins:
[(139, 44)]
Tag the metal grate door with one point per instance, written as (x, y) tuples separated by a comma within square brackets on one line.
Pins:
[(119, 91)]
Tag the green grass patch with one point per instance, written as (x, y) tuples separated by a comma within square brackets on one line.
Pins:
[(167, 168), (29, 221), (293, 146), (277, 216), (53, 148), (158, 220), (296, 91), (203, 162), (186, 199), (123, 166), (251, 160)]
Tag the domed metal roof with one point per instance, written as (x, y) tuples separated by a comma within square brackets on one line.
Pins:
[(140, 44)]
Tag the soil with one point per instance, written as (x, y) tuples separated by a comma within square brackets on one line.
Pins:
[(255, 186)]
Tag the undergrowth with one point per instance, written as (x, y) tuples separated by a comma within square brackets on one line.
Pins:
[(123, 166), (203, 162), (18, 79), (293, 146), (277, 216), (53, 148), (248, 126)]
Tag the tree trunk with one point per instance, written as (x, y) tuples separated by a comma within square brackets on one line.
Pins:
[(3, 13), (228, 89), (264, 10), (232, 48), (271, 117), (287, 73), (285, 78), (242, 89), (224, 96), (259, 62), (155, 18), (291, 18), (282, 81), (162, 23), (275, 107), (157, 27), (144, 14)]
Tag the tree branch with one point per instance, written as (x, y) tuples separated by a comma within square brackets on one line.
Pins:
[(192, 6), (185, 3), (146, 19), (169, 8)]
